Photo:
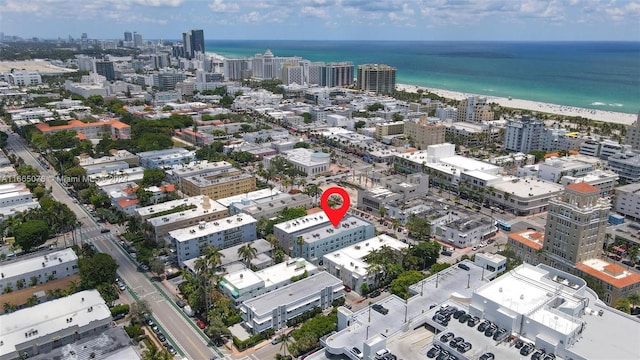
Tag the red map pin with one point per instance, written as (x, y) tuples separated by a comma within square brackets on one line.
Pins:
[(335, 215)]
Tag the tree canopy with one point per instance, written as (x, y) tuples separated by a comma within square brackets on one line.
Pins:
[(96, 270), (31, 234)]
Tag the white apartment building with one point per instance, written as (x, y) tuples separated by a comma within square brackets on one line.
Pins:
[(222, 233), (627, 165), (627, 201), (15, 198), (466, 232), (272, 310), (554, 168), (53, 324), (230, 261), (115, 156), (605, 180), (288, 231), (134, 174), (268, 207), (315, 243), (167, 157), (246, 284), (348, 263), (24, 78), (181, 171), (524, 134), (305, 160), (52, 266)]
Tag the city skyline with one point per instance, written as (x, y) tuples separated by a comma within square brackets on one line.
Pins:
[(491, 20)]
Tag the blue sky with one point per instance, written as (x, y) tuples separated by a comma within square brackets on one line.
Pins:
[(516, 20)]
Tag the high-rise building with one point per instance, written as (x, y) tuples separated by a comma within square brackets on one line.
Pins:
[(137, 40), (474, 109), (633, 134), (425, 132), (524, 134), (128, 36), (576, 225), (338, 74), (193, 42), (378, 78), (105, 68)]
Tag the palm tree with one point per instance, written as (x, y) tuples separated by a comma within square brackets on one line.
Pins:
[(284, 339), (634, 299), (152, 353), (313, 190), (300, 242), (383, 212), (247, 253)]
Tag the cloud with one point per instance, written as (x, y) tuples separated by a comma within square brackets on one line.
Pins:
[(310, 11), (219, 6)]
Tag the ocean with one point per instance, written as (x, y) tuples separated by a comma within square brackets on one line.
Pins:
[(595, 75)]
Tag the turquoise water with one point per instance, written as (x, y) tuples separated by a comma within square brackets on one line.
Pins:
[(596, 75)]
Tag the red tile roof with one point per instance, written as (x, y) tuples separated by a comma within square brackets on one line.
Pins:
[(528, 238), (582, 187), (125, 203), (612, 274)]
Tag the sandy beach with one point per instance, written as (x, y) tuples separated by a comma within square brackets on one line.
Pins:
[(598, 115)]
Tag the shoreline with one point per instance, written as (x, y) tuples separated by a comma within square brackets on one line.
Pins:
[(564, 110)]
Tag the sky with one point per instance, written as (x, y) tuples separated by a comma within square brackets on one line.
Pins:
[(490, 20)]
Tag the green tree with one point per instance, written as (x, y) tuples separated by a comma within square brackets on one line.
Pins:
[(420, 228), (437, 267), (138, 311), (216, 330), (426, 252), (247, 253), (623, 305), (359, 124), (153, 353), (152, 177), (31, 234), (375, 107), (400, 286), (108, 293), (99, 269)]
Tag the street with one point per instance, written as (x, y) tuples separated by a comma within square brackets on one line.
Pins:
[(190, 340)]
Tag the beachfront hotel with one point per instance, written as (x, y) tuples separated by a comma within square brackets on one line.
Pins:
[(377, 78)]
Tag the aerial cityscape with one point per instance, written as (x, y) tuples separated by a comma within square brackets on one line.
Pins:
[(413, 184)]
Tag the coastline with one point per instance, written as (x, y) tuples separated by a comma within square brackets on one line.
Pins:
[(592, 114)]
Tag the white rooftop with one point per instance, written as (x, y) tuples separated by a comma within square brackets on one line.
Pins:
[(303, 223), (347, 224), (352, 256), (197, 168), (251, 196), (211, 227), (50, 317), (197, 200), (522, 187), (285, 270), (11, 187), (17, 268)]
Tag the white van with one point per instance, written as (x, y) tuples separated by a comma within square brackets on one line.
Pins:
[(381, 353)]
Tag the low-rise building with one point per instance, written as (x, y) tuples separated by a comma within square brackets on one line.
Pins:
[(166, 157), (91, 130), (218, 184), (315, 243), (393, 189), (115, 156), (495, 264), (627, 165), (522, 196), (604, 180), (288, 231), (627, 201), (245, 284), (389, 128), (176, 173), (348, 263), (38, 268), (230, 260), (177, 214), (272, 310), (15, 198), (465, 232), (425, 132), (310, 162), (39, 329), (554, 168), (268, 207), (526, 245), (223, 233), (134, 174)]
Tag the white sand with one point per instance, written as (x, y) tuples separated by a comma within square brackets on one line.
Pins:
[(599, 115), (42, 66)]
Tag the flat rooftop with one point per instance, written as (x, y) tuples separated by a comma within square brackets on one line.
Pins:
[(22, 266), (250, 196), (50, 317), (212, 227), (349, 223), (291, 293), (523, 187), (198, 167), (285, 270), (202, 180), (197, 200), (197, 212), (352, 256), (448, 283), (303, 223), (230, 255), (162, 153)]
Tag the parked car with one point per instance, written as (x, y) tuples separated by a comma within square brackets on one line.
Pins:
[(500, 335), (519, 344), (538, 355), (454, 343), (447, 337), (463, 318), (464, 347), (357, 351), (526, 349), (491, 330), (374, 293), (347, 289), (444, 355), (487, 356), (162, 338), (180, 303), (105, 230), (458, 313), (201, 324), (348, 306), (473, 321), (433, 352), (463, 266), (549, 356), (483, 325)]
